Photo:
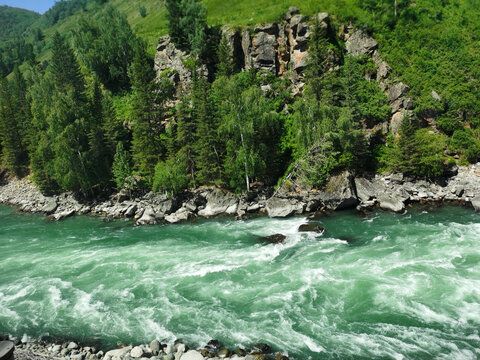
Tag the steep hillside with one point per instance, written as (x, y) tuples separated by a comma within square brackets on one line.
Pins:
[(14, 21)]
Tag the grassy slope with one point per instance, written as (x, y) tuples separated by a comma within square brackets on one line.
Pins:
[(14, 21)]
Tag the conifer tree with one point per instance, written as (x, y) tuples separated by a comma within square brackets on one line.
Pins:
[(148, 143), (122, 167), (225, 63)]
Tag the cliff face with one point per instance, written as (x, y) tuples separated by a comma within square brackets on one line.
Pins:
[(281, 48)]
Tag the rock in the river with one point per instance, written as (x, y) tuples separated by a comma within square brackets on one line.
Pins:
[(391, 202), (219, 202), (280, 207), (476, 203), (180, 215), (154, 346), (340, 192), (311, 228), (148, 217), (275, 238), (117, 354), (192, 355), (137, 352), (224, 353), (50, 206), (6, 350)]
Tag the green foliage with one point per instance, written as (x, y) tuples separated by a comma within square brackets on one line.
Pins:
[(14, 21), (142, 10), (466, 141), (121, 167), (187, 21), (148, 109), (171, 175), (106, 45), (418, 152)]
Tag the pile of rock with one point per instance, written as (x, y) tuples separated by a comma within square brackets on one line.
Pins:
[(155, 350)]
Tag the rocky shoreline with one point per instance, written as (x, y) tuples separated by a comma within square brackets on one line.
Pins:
[(391, 192), (155, 350)]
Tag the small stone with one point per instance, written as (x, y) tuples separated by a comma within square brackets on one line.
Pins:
[(275, 238), (72, 346), (224, 353), (56, 349), (311, 228), (137, 352), (168, 349), (155, 346), (168, 357), (192, 355)]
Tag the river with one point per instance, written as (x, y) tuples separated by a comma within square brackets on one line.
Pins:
[(385, 286)]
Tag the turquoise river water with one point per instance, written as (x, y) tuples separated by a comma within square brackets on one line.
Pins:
[(386, 286)]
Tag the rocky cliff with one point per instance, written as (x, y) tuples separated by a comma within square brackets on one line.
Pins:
[(281, 48)]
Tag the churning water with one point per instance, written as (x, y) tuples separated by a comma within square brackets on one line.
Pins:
[(382, 287)]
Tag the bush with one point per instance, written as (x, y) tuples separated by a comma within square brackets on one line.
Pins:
[(171, 175)]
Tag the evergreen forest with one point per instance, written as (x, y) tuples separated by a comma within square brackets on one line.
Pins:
[(82, 108)]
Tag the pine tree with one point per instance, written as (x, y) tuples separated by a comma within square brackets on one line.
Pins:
[(317, 58), (121, 167), (208, 147), (148, 142), (14, 124), (225, 63)]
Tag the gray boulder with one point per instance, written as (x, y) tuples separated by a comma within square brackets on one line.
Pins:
[(117, 354), (359, 43), (265, 52), (340, 193), (391, 202), (476, 203), (367, 190), (148, 217), (192, 355), (50, 206), (280, 207), (137, 352), (219, 202), (180, 215), (397, 91)]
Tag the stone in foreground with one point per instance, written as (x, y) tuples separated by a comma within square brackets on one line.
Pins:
[(6, 350), (192, 355)]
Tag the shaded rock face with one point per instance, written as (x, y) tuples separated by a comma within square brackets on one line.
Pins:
[(341, 194), (274, 239), (359, 43), (311, 228), (281, 207), (272, 47), (219, 202)]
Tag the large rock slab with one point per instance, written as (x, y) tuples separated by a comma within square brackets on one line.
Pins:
[(476, 203), (117, 354), (359, 43), (219, 202), (280, 207), (391, 202), (340, 192)]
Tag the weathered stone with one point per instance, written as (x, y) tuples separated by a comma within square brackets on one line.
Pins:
[(154, 346), (224, 353), (366, 190), (117, 353), (311, 228), (383, 71), (269, 28), (265, 52), (340, 191), (391, 202), (63, 215), (137, 352), (279, 207), (130, 212), (274, 239), (359, 43), (50, 206), (192, 355), (397, 91), (476, 203), (181, 215), (148, 217), (219, 202)]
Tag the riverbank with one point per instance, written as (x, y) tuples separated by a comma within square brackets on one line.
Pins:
[(155, 350), (391, 192)]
